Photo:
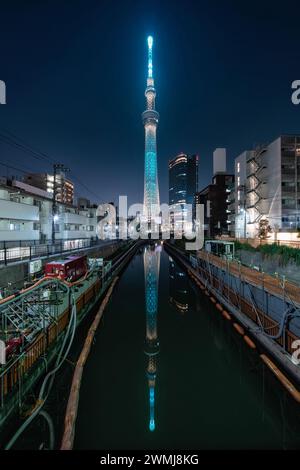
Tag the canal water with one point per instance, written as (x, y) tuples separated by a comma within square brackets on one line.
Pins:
[(167, 371)]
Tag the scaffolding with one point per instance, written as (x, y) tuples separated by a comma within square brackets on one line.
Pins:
[(27, 314)]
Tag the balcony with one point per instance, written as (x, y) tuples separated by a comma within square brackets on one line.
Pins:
[(77, 219), (18, 211), (288, 160), (74, 234), (19, 235), (288, 193), (288, 171)]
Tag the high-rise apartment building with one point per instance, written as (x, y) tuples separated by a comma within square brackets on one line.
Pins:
[(64, 188)]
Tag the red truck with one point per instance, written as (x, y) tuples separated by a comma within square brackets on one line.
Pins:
[(12, 346), (69, 269)]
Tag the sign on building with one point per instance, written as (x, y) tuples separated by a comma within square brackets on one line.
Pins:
[(2, 352), (35, 266), (95, 262), (2, 92)]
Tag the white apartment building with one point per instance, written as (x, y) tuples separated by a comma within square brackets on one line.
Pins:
[(26, 215), (267, 186), (240, 211)]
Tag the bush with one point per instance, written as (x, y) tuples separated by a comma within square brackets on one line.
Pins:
[(287, 253), (243, 246)]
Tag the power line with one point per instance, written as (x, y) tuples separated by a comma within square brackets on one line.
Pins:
[(39, 155), (85, 187), (10, 141), (14, 167), (36, 150)]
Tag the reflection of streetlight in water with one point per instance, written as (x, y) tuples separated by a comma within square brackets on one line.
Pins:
[(151, 269)]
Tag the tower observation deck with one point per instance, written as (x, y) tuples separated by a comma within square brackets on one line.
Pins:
[(150, 119)]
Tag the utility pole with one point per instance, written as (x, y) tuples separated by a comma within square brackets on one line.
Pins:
[(56, 167)]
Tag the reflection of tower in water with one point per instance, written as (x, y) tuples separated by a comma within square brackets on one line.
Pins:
[(151, 269)]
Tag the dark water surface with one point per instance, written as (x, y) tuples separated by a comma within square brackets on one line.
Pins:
[(170, 372)]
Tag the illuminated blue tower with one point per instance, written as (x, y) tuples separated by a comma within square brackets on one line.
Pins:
[(151, 268), (150, 120)]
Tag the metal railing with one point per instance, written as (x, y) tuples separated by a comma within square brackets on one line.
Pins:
[(255, 242), (30, 250)]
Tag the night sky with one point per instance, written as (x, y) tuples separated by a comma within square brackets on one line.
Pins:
[(75, 73)]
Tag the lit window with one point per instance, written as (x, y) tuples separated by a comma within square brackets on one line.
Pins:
[(238, 165), (239, 195)]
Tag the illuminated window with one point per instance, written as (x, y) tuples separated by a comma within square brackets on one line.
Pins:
[(14, 226), (239, 195), (238, 165)]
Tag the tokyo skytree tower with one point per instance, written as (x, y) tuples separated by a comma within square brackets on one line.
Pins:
[(150, 120)]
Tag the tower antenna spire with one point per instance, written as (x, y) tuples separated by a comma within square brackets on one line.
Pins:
[(150, 66)]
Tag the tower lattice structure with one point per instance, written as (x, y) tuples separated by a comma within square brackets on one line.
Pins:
[(150, 120)]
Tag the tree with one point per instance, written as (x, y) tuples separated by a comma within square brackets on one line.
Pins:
[(264, 229)]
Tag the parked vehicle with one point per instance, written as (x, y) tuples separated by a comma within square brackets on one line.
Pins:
[(69, 269)]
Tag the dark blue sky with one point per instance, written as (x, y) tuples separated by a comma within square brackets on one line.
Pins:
[(75, 73)]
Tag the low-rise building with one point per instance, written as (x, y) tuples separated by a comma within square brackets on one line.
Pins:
[(218, 198), (26, 215), (215, 199)]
